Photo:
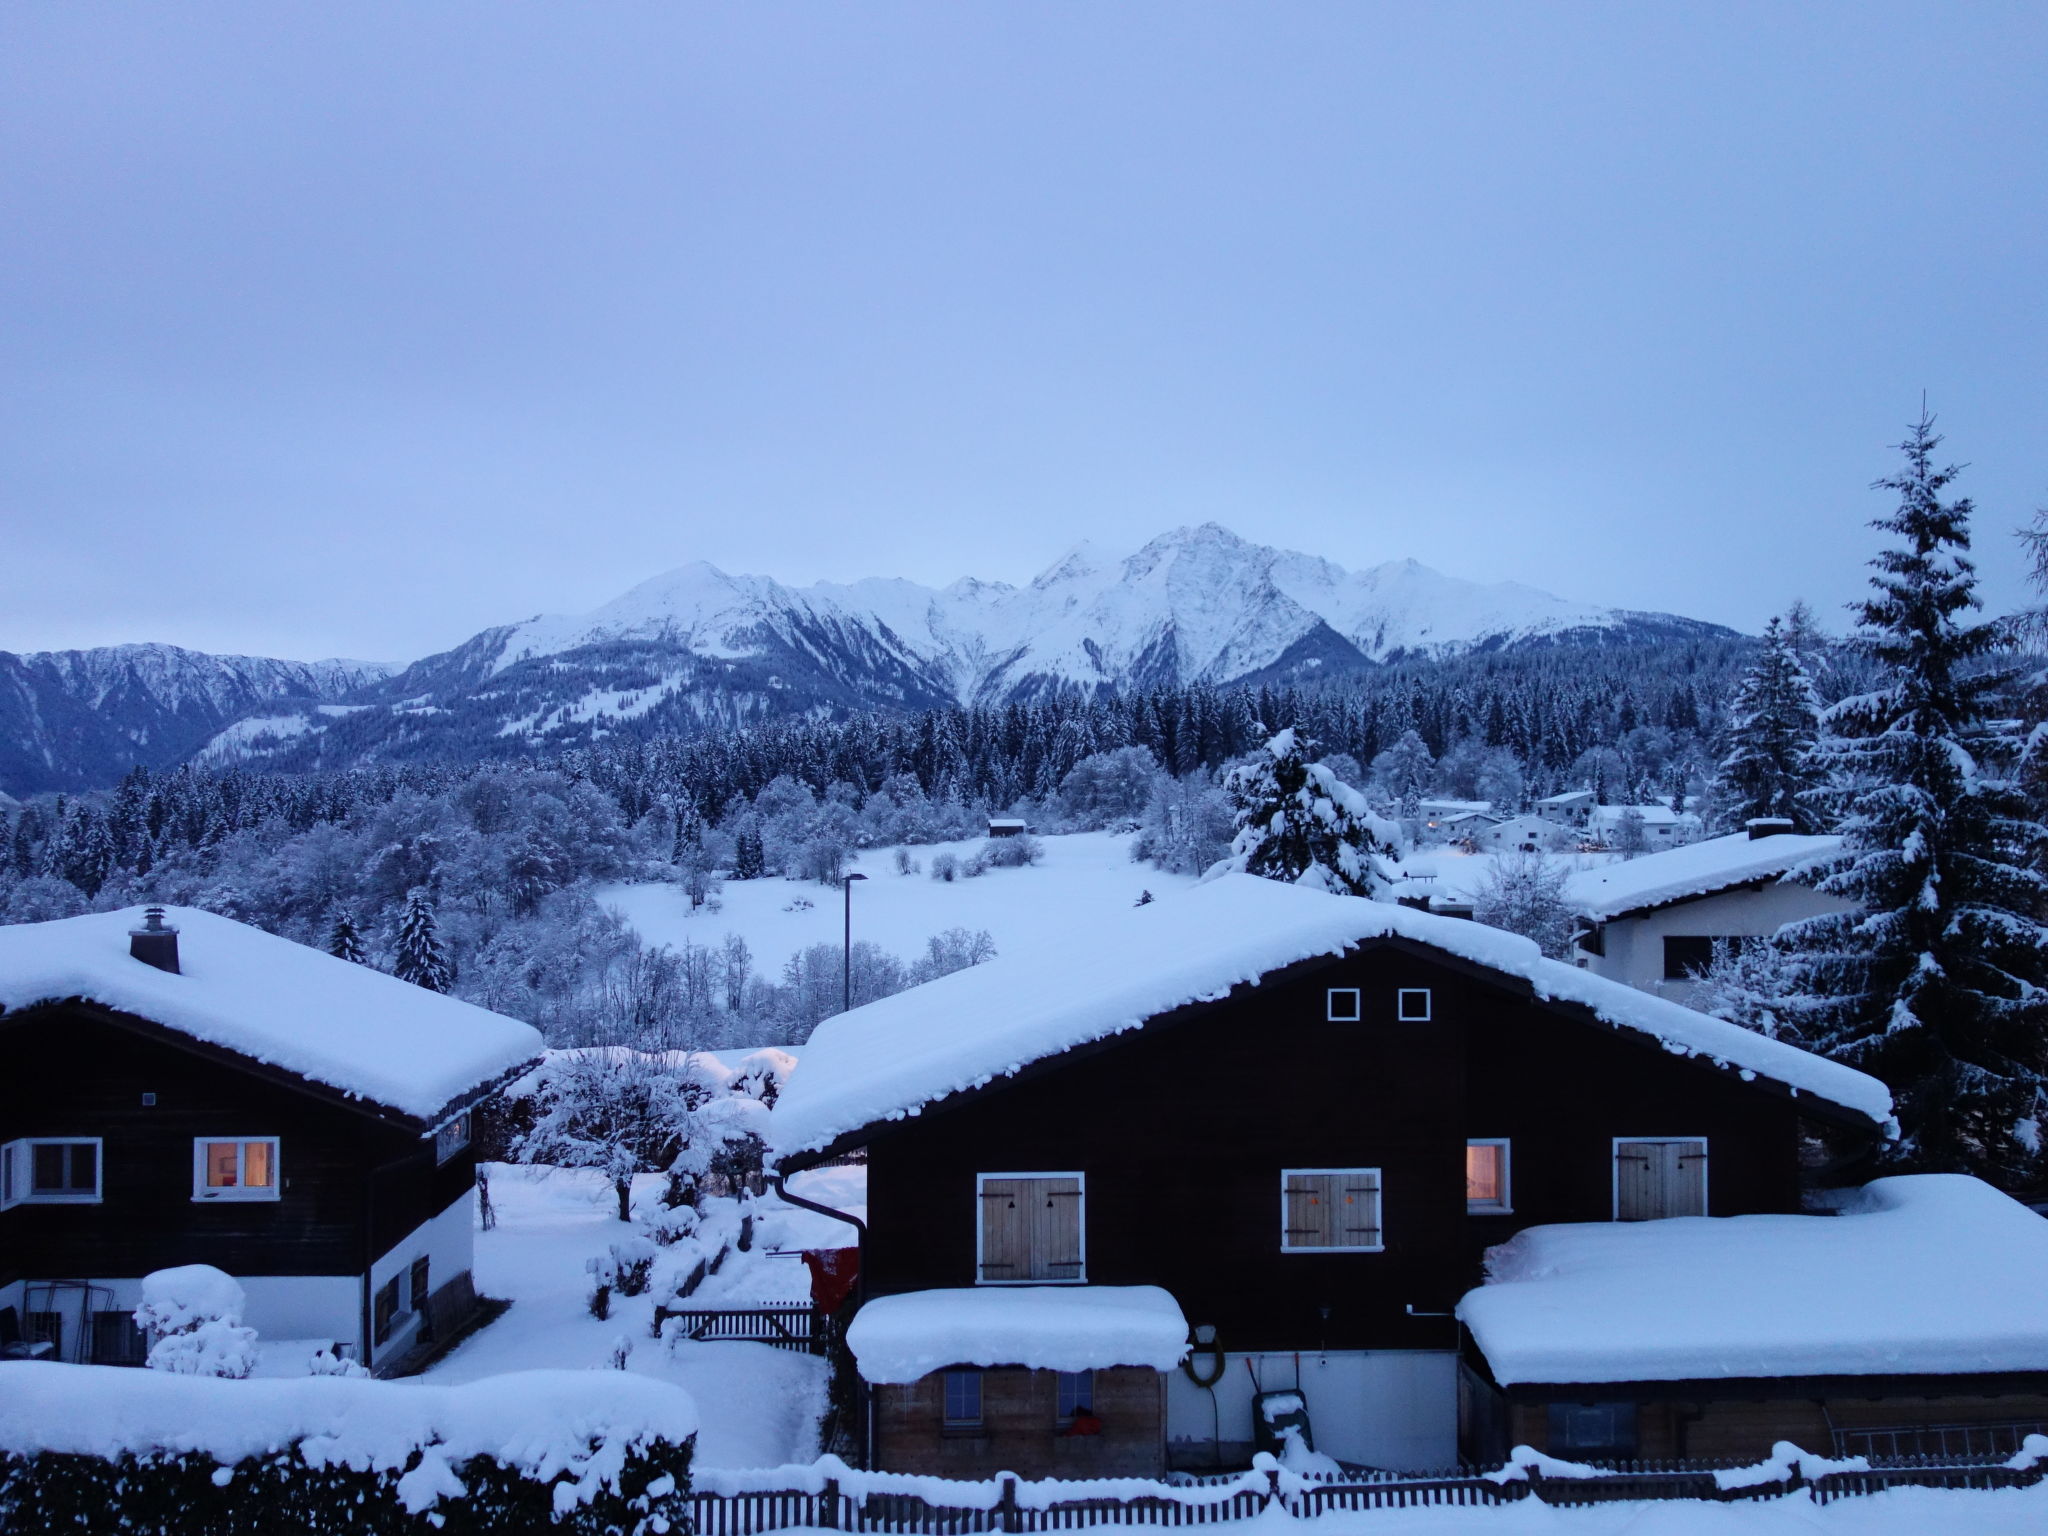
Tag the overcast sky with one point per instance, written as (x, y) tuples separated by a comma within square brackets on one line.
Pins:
[(352, 328)]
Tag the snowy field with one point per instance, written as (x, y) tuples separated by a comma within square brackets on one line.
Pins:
[(1082, 876), (762, 1406)]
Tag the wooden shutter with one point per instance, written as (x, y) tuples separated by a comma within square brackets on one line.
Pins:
[(1357, 1208), (1031, 1229), (1308, 1211), (1656, 1179)]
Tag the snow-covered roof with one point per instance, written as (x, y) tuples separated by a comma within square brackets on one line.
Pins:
[(356, 1030), (1697, 869), (1653, 815), (1921, 1274), (1045, 1327), (887, 1059)]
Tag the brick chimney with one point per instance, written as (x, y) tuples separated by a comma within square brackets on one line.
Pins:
[(1767, 826), (155, 942)]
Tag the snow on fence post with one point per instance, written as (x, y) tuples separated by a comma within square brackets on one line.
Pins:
[(1006, 1505), (828, 1505)]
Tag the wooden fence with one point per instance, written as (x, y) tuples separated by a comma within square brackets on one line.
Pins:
[(1009, 1505), (795, 1326)]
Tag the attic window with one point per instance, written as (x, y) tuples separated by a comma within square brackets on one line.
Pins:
[(1411, 1005), (451, 1138), (244, 1168), (1343, 1006)]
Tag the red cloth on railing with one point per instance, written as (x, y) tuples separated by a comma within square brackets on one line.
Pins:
[(833, 1271)]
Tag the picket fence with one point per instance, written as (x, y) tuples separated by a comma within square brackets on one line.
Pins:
[(923, 1506)]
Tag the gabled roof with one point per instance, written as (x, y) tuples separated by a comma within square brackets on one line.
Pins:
[(1922, 1274), (1698, 869), (890, 1058), (360, 1032)]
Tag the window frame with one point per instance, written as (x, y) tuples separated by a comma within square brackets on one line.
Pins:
[(1401, 1013), (1614, 1174), (1357, 1013), (962, 1374), (240, 1190), (1379, 1212), (1070, 1403), (1505, 1205), (445, 1147), (18, 1172), (1080, 1222), (1693, 971)]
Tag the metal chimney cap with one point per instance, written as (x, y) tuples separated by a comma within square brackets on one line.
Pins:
[(153, 922)]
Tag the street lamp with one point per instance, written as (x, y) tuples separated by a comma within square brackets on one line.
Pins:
[(847, 949)]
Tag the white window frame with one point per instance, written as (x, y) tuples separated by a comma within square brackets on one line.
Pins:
[(1614, 1173), (1081, 1222), (445, 1146), (1356, 997), (1336, 1248), (1401, 1005), (1505, 1206), (18, 1172), (241, 1191)]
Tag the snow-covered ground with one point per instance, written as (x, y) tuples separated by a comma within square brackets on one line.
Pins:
[(762, 1405), (1026, 911)]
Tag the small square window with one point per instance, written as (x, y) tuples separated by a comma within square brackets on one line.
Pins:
[(1486, 1177), (1411, 1005), (963, 1399), (1344, 1006)]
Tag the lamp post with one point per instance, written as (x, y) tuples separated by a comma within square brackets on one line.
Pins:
[(847, 949)]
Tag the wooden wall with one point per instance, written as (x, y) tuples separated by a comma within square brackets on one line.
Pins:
[(72, 1072), (1182, 1130), (1020, 1430)]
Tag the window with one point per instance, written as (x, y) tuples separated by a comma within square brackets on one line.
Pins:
[(963, 1399), (451, 1138), (1076, 1395), (384, 1310), (1326, 1210), (1655, 1177), (1030, 1228), (1686, 957), (417, 1288), (50, 1171), (1579, 1431), (242, 1169), (1343, 1006), (1411, 1005), (1486, 1177)]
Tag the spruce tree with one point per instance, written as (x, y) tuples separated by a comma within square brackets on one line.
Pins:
[(1297, 821), (1772, 727), (420, 959), (1936, 983), (345, 939)]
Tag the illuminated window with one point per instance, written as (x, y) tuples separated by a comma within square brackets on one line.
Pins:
[(241, 1169), (1486, 1176), (451, 1138)]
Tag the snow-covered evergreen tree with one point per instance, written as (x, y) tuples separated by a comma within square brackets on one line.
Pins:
[(1772, 727), (1939, 982), (1406, 770), (420, 959), (345, 939), (1297, 821), (1751, 983)]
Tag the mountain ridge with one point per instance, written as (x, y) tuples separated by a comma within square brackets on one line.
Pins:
[(695, 647)]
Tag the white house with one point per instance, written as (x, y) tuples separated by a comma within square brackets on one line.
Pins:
[(1652, 922), (1572, 807), (1529, 833), (1662, 826)]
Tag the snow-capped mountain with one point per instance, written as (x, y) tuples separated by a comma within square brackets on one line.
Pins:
[(77, 719), (696, 646)]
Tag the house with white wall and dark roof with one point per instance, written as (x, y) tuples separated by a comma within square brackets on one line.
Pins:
[(1294, 1125), (185, 1089)]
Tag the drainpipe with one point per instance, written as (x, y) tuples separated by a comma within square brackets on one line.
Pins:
[(860, 1291)]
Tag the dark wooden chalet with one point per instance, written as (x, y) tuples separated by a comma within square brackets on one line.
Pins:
[(1306, 1117), (198, 1091)]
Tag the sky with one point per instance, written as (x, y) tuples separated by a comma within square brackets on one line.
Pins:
[(350, 328)]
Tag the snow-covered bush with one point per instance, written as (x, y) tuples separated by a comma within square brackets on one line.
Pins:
[(1011, 852), (945, 867), (1525, 893), (327, 1361), (193, 1316)]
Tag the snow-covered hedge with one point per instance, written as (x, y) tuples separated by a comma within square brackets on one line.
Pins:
[(104, 1449)]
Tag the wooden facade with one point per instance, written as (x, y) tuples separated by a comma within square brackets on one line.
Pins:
[(1020, 1427), (353, 1180)]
